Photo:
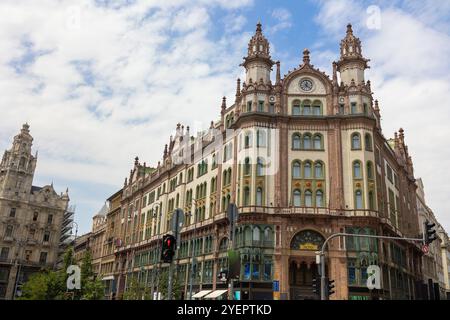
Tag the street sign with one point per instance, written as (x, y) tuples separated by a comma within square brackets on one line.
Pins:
[(425, 248), (276, 285)]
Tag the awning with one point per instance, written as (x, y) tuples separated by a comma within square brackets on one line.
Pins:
[(201, 294), (108, 278), (215, 294)]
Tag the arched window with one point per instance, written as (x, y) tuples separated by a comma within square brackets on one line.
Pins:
[(256, 234), (307, 108), (357, 170), (319, 198), (247, 167), (318, 142), (224, 182), (317, 108), (296, 170), (259, 196), (296, 108), (248, 140), (268, 234), (369, 170), (247, 235), (246, 196), (358, 199), (307, 141), (296, 198), (371, 201), (308, 198), (229, 176), (296, 141), (260, 167), (307, 170), (368, 142), (227, 121), (318, 170), (356, 141), (261, 138), (214, 163)]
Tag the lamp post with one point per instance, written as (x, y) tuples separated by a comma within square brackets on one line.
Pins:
[(21, 243), (193, 251)]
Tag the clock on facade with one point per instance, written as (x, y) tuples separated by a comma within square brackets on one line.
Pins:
[(306, 84)]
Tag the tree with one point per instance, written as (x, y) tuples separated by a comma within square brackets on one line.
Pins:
[(137, 290), (36, 287), (52, 285), (176, 285)]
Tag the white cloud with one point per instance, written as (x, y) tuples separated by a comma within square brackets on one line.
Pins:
[(283, 18), (113, 85), (409, 75)]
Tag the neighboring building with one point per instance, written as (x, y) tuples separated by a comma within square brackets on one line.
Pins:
[(432, 268), (32, 218), (80, 246), (445, 254), (98, 238), (304, 158), (109, 266)]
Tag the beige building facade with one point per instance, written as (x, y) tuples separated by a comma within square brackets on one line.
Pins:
[(302, 157), (34, 221)]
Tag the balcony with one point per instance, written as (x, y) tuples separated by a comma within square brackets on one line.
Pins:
[(308, 211)]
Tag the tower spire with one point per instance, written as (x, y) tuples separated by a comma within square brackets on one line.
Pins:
[(258, 62), (351, 64)]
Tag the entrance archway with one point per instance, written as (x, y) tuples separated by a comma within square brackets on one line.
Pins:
[(302, 264)]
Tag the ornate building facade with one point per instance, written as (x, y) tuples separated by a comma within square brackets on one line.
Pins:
[(34, 221), (302, 157)]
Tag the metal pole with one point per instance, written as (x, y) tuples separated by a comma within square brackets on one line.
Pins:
[(322, 253), (170, 281), (193, 256)]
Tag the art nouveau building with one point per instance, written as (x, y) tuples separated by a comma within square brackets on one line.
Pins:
[(35, 222), (303, 157)]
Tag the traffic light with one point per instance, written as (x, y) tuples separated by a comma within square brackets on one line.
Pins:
[(429, 232), (330, 286), (316, 286), (168, 248)]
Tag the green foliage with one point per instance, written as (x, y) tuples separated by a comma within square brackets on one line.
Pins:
[(137, 290), (36, 287), (52, 285), (176, 285)]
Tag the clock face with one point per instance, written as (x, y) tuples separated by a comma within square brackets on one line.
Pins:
[(306, 85)]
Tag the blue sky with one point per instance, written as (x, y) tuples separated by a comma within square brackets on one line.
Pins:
[(103, 81)]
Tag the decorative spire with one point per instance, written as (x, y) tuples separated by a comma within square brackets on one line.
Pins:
[(306, 59), (278, 78), (402, 136), (136, 161), (351, 47), (165, 151), (258, 27), (238, 87), (335, 79), (258, 45), (224, 104), (25, 128)]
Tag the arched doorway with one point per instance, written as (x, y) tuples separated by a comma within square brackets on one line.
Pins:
[(302, 264)]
